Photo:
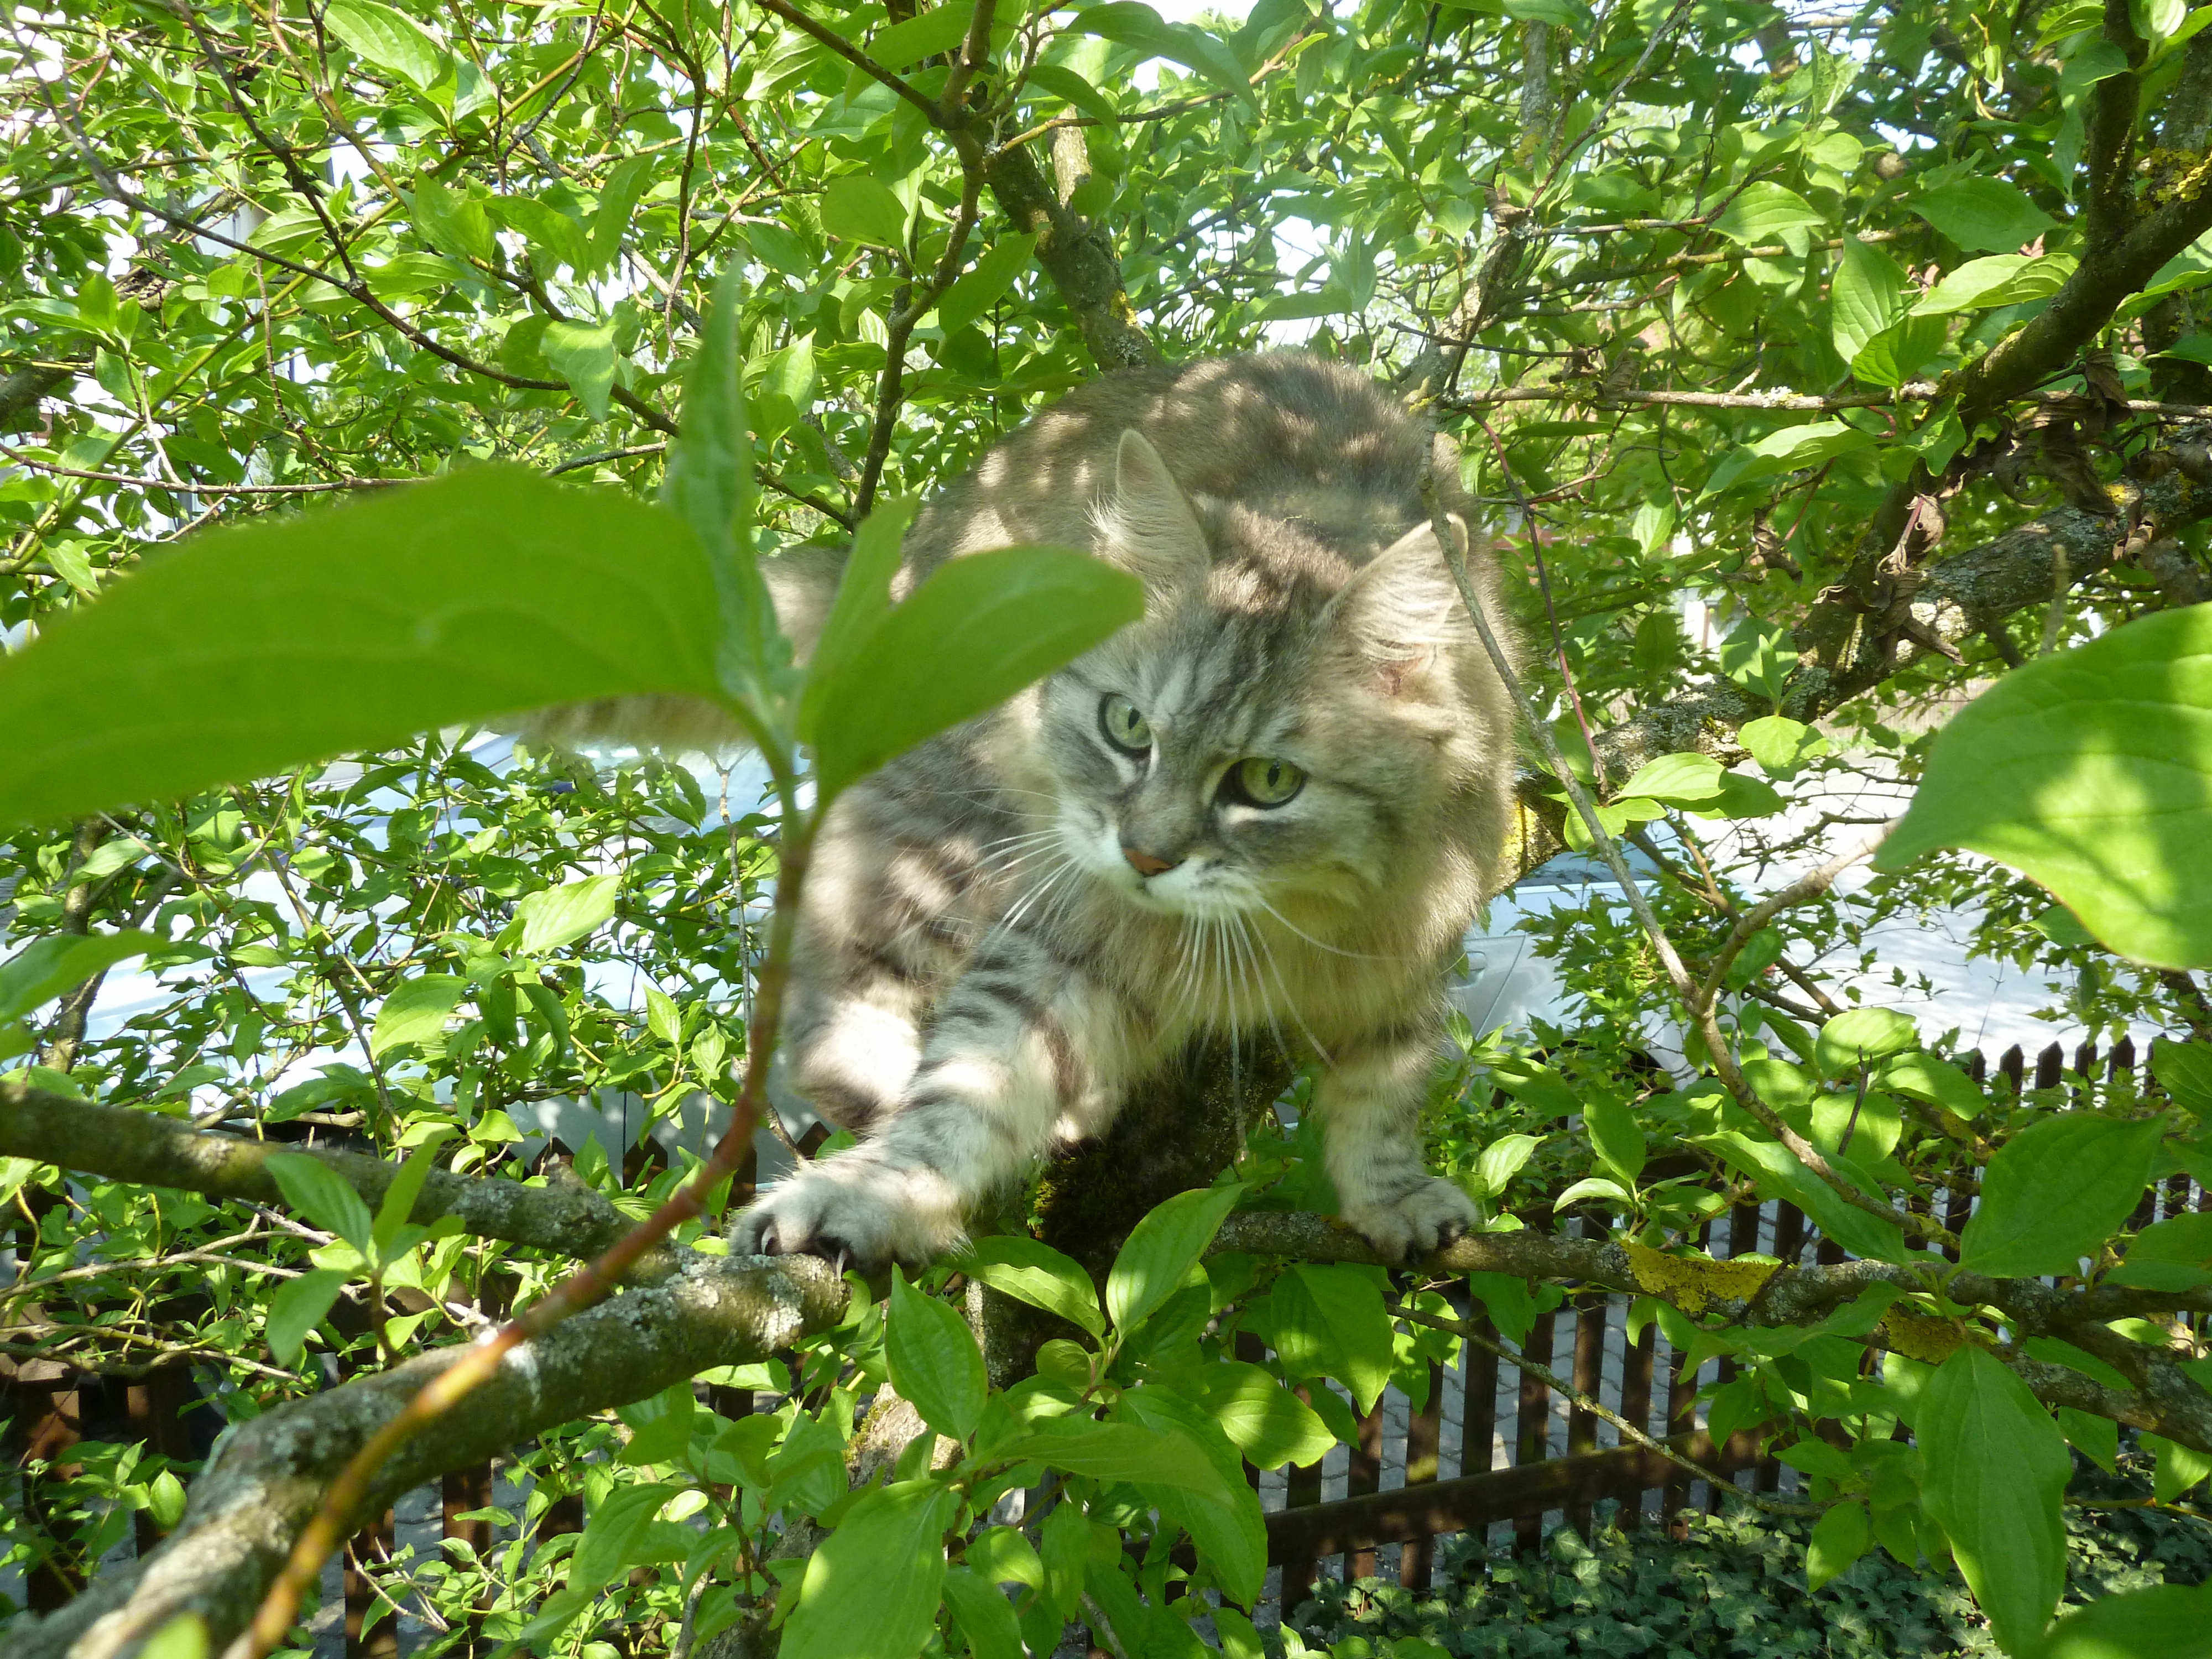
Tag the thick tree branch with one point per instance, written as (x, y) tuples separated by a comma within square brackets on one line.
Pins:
[(138, 1146), (1850, 642), (268, 1475)]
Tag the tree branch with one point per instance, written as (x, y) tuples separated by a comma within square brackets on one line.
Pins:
[(268, 1475), (125, 1145)]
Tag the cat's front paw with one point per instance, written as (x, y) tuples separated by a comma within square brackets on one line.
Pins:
[(1420, 1221), (852, 1213)]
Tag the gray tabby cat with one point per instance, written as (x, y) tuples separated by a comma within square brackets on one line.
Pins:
[(1274, 804)]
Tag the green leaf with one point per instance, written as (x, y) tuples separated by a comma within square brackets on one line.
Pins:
[(406, 1187), (1162, 1250), (931, 34), (416, 1011), (709, 482), (1984, 215), (457, 226), (2055, 1192), (1995, 1471), (1502, 1159), (2002, 279), (626, 183), (982, 626), (1925, 1077), (1865, 297), (1839, 1537), (1269, 1423), (1224, 1520), (934, 1360), (2184, 1070), (583, 354), (2179, 1466), (388, 39), (2168, 1621), (1780, 745), (1764, 210), (1019, 1267), (1615, 1135), (1759, 657), (551, 233), (860, 207), (298, 1307), (1780, 1175), (53, 966), (615, 1535), (979, 289), (553, 917), (279, 643), (862, 601), (320, 1194), (1115, 1451), (1330, 1321), (2097, 1439), (986, 1618), (1591, 1186), (1900, 351), (1133, 24), (1862, 1035), (1676, 778)]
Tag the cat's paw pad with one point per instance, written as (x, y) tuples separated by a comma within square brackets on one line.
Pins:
[(1419, 1222), (861, 1217)]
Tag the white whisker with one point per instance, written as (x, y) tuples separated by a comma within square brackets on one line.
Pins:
[(1356, 955)]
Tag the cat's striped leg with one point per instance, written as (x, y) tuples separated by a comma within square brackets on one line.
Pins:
[(1025, 1044), (1369, 1102)]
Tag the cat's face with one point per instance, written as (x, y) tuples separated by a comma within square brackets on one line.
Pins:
[(1258, 742)]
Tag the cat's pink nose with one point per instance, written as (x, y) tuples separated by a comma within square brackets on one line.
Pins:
[(1144, 864)]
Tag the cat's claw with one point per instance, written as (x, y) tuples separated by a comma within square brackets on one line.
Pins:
[(1417, 1224), (850, 1217)]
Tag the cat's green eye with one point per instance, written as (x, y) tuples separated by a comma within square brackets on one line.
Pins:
[(1125, 726), (1264, 781)]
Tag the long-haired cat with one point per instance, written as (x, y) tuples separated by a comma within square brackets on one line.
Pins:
[(1267, 810)]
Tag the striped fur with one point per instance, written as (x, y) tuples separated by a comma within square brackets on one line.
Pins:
[(983, 969)]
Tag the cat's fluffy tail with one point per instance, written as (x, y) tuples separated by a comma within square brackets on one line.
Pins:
[(801, 582)]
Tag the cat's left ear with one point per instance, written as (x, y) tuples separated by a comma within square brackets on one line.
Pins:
[(1402, 610)]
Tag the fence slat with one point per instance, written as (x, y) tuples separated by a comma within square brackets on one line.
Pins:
[(1303, 1492), (1423, 1434), (1363, 1475), (1532, 1413), (1589, 1383)]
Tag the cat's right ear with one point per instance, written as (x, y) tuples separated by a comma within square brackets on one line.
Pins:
[(1147, 525)]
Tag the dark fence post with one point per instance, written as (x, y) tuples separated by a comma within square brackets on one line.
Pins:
[(1423, 1434), (1303, 1492), (1363, 1475), (1589, 1383), (1532, 1423)]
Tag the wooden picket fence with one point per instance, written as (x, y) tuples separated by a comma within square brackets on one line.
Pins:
[(1488, 1449)]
